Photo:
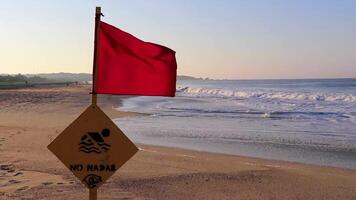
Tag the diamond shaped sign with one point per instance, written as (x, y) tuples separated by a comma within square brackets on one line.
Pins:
[(93, 147)]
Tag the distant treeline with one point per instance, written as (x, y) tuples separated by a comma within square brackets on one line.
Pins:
[(21, 78), (59, 77)]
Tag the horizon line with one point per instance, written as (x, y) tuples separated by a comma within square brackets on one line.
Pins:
[(202, 78)]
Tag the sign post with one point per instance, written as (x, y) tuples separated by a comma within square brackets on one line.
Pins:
[(93, 194), (92, 147)]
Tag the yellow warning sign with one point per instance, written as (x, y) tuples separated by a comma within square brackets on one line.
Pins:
[(93, 147)]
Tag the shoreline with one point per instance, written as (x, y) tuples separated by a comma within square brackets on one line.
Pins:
[(247, 157), (270, 158), (31, 118)]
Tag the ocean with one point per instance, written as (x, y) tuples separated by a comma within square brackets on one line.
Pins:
[(307, 121)]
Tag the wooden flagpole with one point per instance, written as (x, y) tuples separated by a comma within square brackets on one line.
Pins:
[(93, 192), (95, 57)]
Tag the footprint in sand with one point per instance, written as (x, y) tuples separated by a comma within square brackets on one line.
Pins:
[(7, 168), (14, 181), (18, 173), (2, 140), (47, 183), (23, 188)]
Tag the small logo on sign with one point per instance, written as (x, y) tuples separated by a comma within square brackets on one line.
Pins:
[(93, 142), (92, 180)]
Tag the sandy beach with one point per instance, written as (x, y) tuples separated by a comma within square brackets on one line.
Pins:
[(31, 118)]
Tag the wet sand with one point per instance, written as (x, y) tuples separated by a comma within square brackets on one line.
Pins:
[(31, 118)]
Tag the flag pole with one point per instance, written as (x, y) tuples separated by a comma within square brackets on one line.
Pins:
[(95, 57), (93, 192)]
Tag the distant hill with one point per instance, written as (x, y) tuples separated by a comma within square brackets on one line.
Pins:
[(183, 77), (85, 77), (22, 79), (64, 77), (30, 80)]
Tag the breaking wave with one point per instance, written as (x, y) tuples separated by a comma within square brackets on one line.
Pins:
[(214, 92)]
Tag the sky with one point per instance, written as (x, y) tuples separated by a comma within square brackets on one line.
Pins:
[(223, 39)]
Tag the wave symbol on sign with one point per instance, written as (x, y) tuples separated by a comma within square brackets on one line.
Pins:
[(93, 142)]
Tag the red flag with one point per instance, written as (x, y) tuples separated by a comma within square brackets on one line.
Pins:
[(130, 66)]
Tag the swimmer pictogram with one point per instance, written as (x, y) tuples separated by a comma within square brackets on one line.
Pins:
[(93, 142)]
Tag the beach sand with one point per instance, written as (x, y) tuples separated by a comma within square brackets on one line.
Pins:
[(31, 118)]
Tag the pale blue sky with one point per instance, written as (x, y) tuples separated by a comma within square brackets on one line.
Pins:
[(243, 39)]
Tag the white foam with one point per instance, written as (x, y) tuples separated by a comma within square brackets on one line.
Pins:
[(284, 95)]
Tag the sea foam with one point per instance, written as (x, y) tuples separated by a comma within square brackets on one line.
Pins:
[(284, 95)]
